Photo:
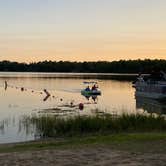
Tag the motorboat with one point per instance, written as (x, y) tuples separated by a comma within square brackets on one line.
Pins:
[(152, 86)]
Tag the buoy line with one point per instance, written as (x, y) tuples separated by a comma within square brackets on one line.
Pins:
[(80, 105)]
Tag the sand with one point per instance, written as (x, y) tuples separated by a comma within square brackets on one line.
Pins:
[(89, 156)]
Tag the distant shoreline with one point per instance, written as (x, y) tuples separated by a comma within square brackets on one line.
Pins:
[(113, 76), (122, 66)]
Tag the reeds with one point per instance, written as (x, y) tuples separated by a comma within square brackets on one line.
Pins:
[(52, 126)]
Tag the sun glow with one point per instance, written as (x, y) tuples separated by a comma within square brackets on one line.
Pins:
[(107, 31)]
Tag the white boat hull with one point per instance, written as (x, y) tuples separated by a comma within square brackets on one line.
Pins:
[(154, 87)]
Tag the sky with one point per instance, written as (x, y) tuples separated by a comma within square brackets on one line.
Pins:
[(82, 30)]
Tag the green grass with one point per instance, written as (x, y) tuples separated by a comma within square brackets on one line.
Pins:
[(51, 126), (130, 142), (125, 132)]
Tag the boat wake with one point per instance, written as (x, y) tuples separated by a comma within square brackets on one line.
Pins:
[(70, 90)]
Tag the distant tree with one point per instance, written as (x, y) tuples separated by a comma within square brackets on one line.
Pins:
[(122, 66)]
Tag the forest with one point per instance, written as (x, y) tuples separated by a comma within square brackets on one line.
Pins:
[(121, 66)]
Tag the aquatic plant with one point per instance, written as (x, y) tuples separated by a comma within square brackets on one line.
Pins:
[(53, 126)]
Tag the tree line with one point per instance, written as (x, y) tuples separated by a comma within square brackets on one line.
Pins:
[(121, 66)]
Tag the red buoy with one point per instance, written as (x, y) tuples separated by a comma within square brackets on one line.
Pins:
[(81, 106)]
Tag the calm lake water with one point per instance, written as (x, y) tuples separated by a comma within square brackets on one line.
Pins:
[(25, 96)]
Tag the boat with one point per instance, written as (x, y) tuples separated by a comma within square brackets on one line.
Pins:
[(91, 91), (152, 86)]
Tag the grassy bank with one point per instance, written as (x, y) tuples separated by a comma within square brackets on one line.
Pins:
[(135, 133), (51, 126), (135, 142)]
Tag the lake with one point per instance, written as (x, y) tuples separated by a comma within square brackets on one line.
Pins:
[(25, 96)]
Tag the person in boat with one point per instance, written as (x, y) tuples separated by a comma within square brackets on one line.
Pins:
[(87, 88), (94, 87)]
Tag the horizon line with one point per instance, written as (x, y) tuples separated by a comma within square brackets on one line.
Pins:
[(139, 59)]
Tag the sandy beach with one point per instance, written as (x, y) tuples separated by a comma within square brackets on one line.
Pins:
[(92, 156)]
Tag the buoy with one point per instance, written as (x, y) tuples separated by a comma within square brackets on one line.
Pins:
[(81, 106), (47, 94), (71, 103), (6, 85)]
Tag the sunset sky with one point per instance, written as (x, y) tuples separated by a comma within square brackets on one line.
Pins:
[(82, 30)]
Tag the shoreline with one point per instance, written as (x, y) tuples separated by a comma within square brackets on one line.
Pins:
[(117, 149), (108, 139)]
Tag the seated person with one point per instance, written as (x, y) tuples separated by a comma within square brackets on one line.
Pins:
[(94, 87), (87, 88)]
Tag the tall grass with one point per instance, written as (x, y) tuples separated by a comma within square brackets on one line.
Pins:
[(51, 126)]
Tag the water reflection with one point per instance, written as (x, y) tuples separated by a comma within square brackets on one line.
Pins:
[(151, 106), (24, 96), (93, 98)]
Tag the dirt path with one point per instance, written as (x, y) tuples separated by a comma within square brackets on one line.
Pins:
[(92, 156)]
